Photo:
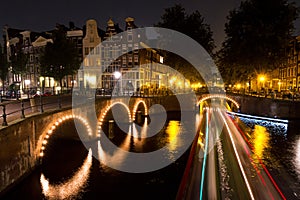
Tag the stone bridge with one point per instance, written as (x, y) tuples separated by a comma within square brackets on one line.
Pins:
[(24, 142)]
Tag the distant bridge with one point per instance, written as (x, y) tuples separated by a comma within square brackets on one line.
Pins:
[(234, 104)]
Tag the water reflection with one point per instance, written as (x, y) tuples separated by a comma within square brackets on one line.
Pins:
[(260, 140), (173, 130), (138, 141), (70, 188), (102, 180), (297, 156)]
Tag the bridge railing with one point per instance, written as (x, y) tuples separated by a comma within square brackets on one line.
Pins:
[(19, 109)]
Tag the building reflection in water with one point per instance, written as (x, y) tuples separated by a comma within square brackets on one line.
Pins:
[(70, 188)]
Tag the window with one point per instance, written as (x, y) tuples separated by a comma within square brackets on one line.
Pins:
[(115, 52), (136, 59), (129, 49), (124, 48), (129, 37), (98, 50), (86, 62), (124, 59), (98, 62), (136, 48), (86, 51), (91, 50), (91, 39), (106, 52), (129, 58)]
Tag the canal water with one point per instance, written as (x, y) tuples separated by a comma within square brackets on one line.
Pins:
[(278, 146), (69, 171)]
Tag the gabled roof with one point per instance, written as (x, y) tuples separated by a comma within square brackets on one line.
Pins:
[(41, 41)]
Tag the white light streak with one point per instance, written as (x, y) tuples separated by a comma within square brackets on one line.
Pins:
[(237, 156)]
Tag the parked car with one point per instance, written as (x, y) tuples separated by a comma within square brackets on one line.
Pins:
[(13, 94)]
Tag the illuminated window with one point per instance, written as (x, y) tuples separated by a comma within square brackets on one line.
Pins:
[(98, 62)]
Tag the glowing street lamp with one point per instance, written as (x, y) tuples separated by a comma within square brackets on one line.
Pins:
[(279, 84), (262, 79), (117, 76)]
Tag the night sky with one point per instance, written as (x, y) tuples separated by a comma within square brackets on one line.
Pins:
[(39, 15)]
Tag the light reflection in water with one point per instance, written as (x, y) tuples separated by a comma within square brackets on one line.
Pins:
[(133, 138), (260, 139), (71, 188), (297, 157), (173, 130), (119, 155)]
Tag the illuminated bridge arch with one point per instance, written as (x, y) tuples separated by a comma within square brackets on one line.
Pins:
[(104, 113), (57, 123), (219, 96), (135, 107)]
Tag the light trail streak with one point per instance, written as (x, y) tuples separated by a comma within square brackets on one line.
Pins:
[(205, 157), (237, 156)]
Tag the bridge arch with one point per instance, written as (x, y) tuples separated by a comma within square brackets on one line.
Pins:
[(135, 107), (53, 126), (213, 96), (104, 113)]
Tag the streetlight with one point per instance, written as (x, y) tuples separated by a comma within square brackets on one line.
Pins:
[(279, 84), (239, 86), (262, 79), (117, 76)]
